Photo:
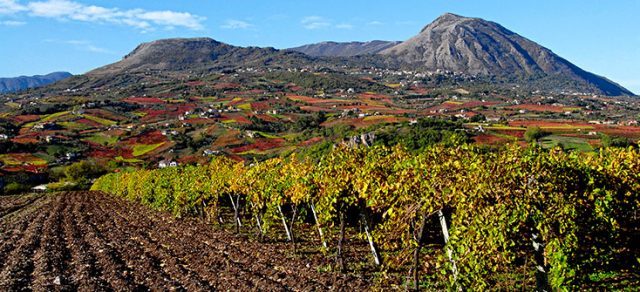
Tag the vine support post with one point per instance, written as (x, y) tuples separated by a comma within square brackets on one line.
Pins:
[(293, 220), (341, 242), (416, 253), (445, 234), (284, 222), (236, 206), (258, 223), (374, 249), (542, 280), (315, 217)]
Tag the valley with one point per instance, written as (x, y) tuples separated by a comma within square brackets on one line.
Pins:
[(466, 157)]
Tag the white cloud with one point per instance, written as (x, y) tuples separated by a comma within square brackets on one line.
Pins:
[(65, 10), (82, 45), (12, 23), (236, 24), (344, 26), (10, 7), (171, 18), (375, 22), (315, 22)]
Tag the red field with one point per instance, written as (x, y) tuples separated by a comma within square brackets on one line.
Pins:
[(227, 139), (538, 108), (259, 145), (26, 118), (311, 141), (143, 100), (373, 96), (314, 100), (489, 139), (551, 124), (266, 118), (199, 121), (153, 137), (313, 108), (226, 85), (90, 123)]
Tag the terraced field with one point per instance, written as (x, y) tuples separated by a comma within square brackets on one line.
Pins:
[(88, 241)]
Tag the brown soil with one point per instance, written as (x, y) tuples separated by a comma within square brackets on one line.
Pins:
[(89, 241)]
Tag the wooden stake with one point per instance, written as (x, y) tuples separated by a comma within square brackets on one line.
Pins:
[(258, 222), (374, 250), (315, 216), (340, 242), (236, 206), (416, 254), (542, 282), (445, 233), (284, 222)]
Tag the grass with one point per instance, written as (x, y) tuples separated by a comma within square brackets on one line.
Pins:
[(245, 106), (128, 160), (505, 128), (230, 121), (102, 139), (139, 114), (568, 143), (142, 149), (208, 98), (74, 126), (267, 135), (45, 156), (572, 109), (377, 118), (11, 159), (12, 104), (101, 121), (47, 118)]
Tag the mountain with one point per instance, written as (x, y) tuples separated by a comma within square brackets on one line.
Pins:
[(484, 51), (476, 46), (196, 54), (24, 82), (347, 49)]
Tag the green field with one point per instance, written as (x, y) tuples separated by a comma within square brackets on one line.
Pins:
[(104, 122), (568, 143), (142, 149), (102, 139)]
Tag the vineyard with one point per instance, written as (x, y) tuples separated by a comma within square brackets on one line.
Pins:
[(445, 218)]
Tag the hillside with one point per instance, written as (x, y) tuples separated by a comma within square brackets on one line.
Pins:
[(200, 54), (346, 49), (476, 46), (24, 82)]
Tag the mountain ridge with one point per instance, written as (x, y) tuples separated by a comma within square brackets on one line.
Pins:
[(477, 46), (451, 43), (344, 49), (14, 84), (204, 54)]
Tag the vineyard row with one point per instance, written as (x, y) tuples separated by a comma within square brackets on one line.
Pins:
[(567, 215)]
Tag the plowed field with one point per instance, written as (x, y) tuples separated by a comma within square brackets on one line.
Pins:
[(89, 241)]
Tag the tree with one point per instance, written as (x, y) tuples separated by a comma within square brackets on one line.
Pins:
[(81, 172), (608, 141), (533, 134)]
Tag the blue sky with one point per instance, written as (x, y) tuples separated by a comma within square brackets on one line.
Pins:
[(41, 36)]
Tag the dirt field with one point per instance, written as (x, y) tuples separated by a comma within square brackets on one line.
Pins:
[(93, 242)]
